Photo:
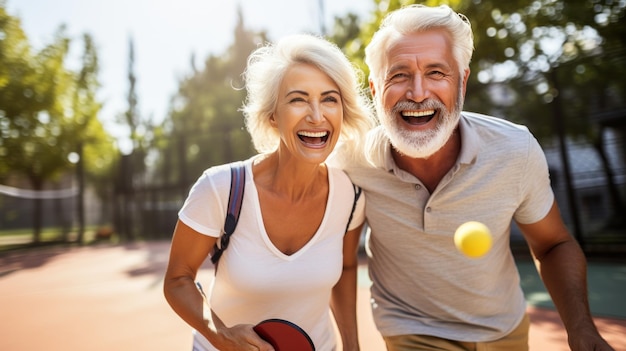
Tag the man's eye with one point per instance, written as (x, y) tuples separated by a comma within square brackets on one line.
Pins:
[(437, 74), (398, 76)]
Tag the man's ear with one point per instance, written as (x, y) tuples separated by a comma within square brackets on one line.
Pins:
[(465, 79), (372, 87)]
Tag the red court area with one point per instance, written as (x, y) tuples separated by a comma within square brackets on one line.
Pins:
[(109, 297)]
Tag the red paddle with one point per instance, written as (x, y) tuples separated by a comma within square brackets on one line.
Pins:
[(284, 335)]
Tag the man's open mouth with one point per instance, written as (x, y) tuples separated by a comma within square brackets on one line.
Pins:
[(418, 117)]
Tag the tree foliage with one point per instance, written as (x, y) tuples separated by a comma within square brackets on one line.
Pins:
[(31, 100), (99, 153), (46, 110), (536, 51)]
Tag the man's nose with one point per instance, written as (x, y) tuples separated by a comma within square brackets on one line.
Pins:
[(418, 89)]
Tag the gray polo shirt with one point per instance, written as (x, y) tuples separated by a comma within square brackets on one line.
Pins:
[(422, 284)]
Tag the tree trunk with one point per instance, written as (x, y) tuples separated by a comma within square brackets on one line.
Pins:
[(80, 201), (37, 211)]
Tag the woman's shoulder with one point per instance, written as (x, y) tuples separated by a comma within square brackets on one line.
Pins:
[(220, 175), (336, 172), (341, 179)]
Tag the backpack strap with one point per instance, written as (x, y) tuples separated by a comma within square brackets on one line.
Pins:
[(235, 198), (357, 194)]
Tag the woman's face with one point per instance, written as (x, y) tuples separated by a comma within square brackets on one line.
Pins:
[(308, 114)]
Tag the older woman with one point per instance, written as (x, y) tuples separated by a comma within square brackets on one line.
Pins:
[(293, 254)]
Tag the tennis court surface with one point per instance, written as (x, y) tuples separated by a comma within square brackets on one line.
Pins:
[(109, 297)]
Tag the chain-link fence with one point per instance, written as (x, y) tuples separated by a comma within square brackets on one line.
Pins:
[(592, 203)]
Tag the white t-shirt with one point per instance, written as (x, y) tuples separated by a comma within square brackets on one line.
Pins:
[(256, 281)]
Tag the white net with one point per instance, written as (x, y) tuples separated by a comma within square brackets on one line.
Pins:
[(38, 194), (18, 208)]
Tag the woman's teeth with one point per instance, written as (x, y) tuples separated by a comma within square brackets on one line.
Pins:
[(313, 137)]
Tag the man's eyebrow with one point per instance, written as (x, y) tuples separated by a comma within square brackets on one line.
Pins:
[(444, 66)]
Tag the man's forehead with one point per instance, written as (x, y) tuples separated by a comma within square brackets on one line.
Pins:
[(432, 47), (431, 42)]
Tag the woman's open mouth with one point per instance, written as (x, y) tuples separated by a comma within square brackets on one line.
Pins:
[(314, 138)]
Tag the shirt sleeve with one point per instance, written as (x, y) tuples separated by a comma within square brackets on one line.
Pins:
[(359, 212), (536, 192), (204, 210)]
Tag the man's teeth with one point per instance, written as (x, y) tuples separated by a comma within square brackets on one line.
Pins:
[(313, 134), (418, 113)]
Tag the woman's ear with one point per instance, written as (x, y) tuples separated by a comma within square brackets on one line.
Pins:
[(273, 121)]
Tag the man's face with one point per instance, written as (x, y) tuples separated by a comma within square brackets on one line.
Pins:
[(420, 94)]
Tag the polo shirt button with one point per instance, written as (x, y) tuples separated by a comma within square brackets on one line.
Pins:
[(428, 209), (418, 187)]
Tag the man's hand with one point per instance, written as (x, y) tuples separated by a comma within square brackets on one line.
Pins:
[(588, 340)]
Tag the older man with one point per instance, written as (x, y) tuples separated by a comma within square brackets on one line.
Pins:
[(429, 168)]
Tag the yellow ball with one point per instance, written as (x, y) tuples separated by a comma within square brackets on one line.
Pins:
[(473, 239)]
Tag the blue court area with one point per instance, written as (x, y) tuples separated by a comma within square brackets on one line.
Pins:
[(606, 284)]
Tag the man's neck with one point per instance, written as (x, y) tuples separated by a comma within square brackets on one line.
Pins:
[(430, 171)]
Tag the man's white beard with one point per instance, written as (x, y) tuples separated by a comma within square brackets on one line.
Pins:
[(420, 144)]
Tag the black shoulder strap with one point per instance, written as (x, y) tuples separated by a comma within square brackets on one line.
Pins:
[(235, 198), (357, 194)]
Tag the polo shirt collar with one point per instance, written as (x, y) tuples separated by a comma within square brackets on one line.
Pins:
[(470, 141), (380, 152)]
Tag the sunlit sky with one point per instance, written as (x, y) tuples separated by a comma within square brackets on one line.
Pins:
[(166, 33)]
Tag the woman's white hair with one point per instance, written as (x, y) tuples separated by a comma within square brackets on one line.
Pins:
[(266, 69), (418, 18)]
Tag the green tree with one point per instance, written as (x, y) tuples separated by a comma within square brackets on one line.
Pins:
[(533, 47), (33, 111), (93, 147), (46, 111)]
